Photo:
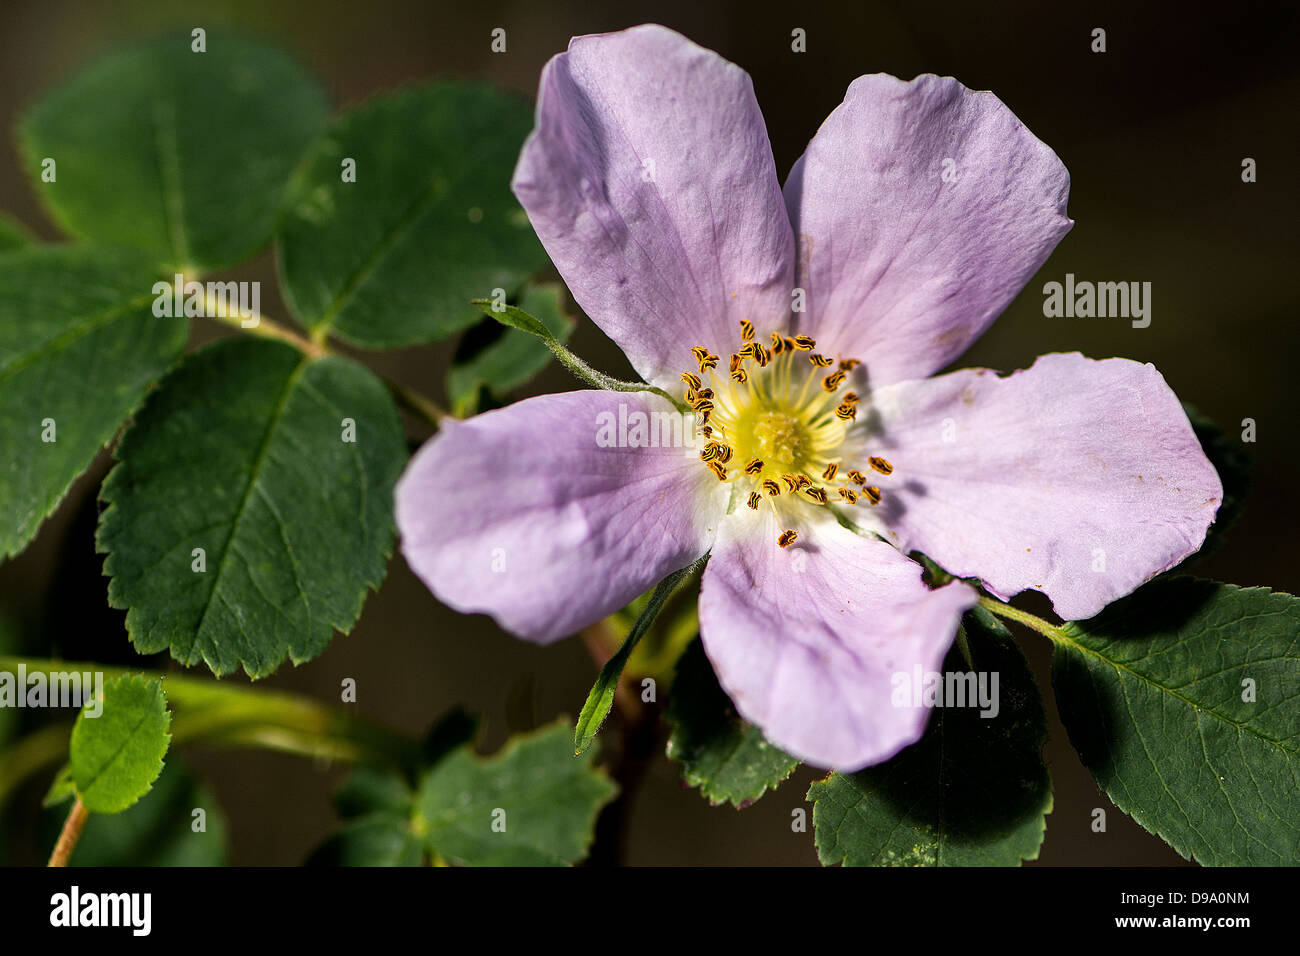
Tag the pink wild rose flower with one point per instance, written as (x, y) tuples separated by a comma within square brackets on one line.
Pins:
[(801, 325)]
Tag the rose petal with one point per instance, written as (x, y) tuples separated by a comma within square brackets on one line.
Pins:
[(806, 640), (1081, 479), (650, 181), (521, 514), (903, 269)]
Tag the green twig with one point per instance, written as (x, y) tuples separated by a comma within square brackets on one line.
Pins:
[(1031, 621), (224, 714), (517, 318), (317, 347)]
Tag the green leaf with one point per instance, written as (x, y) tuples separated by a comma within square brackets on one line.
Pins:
[(378, 807), (532, 804), (374, 840), (79, 346), (1152, 693), (601, 697), (157, 831), (13, 234), (242, 452), (548, 798), (727, 758), (509, 358), (974, 791), (182, 154), (372, 789), (63, 789), (516, 318), (116, 756), (393, 258)]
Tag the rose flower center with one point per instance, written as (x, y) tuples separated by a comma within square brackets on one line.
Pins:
[(777, 421)]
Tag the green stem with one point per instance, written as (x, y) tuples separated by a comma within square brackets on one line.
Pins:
[(1031, 621), (517, 318), (227, 714), (593, 376), (317, 347)]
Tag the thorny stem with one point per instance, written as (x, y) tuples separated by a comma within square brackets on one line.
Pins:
[(317, 347), (1031, 621), (72, 828)]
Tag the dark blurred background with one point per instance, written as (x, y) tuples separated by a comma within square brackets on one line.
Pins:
[(1153, 132)]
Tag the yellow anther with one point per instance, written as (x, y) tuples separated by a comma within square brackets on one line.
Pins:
[(821, 361), (754, 499), (740, 376), (872, 494), (754, 467), (855, 476), (880, 464), (849, 495), (718, 470), (787, 538), (829, 473), (850, 364), (692, 380), (771, 488), (834, 380), (816, 494), (747, 330), (803, 343)]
